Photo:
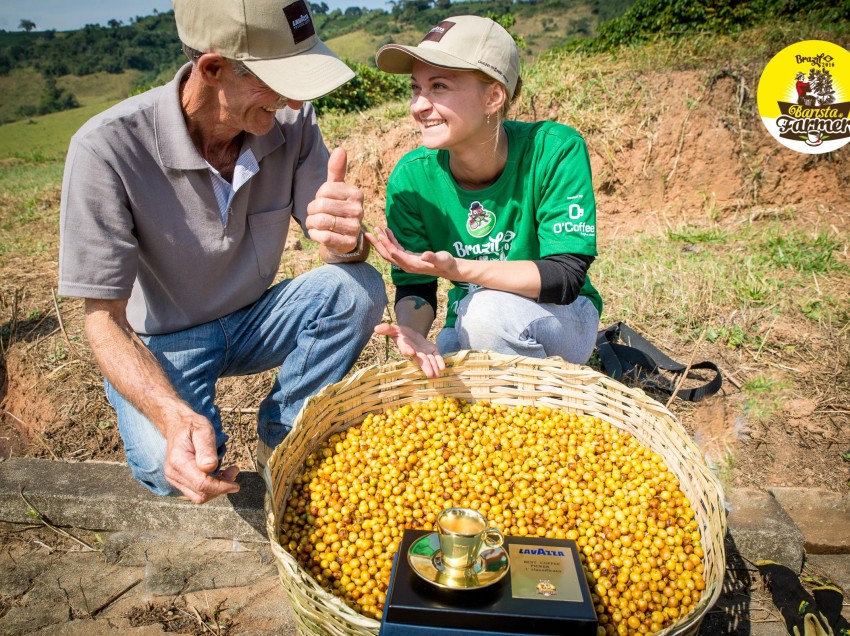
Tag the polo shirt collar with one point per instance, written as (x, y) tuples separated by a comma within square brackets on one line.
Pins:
[(175, 146)]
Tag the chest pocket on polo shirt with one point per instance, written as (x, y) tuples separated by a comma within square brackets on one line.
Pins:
[(268, 233)]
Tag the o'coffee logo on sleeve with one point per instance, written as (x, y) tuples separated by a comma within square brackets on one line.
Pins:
[(804, 96)]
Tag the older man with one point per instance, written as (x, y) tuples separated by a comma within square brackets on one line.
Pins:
[(175, 209)]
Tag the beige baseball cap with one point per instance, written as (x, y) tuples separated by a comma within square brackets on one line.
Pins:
[(465, 42), (276, 40)]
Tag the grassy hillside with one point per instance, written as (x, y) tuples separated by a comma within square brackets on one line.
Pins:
[(45, 137), (360, 46), (22, 87), (542, 29), (32, 154), (19, 88)]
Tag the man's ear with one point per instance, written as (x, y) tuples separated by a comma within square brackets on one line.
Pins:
[(210, 67)]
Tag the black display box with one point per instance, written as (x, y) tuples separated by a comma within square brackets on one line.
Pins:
[(417, 607)]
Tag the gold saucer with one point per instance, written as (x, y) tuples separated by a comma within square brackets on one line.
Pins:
[(425, 558)]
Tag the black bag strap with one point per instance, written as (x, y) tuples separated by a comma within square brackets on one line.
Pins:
[(639, 360)]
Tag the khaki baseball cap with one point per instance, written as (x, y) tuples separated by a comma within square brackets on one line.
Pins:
[(466, 42), (275, 39)]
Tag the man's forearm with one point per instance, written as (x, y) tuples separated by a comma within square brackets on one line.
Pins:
[(130, 366)]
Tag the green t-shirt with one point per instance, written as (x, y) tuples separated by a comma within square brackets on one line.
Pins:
[(541, 205)]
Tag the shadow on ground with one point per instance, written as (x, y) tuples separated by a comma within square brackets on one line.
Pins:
[(732, 612)]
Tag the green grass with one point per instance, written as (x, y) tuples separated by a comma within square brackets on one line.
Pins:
[(28, 225), (696, 235), (802, 252), (653, 280), (27, 179), (32, 158), (542, 28), (764, 397), (48, 136)]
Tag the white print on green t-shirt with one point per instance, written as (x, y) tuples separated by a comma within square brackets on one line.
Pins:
[(574, 212), (480, 222), (495, 249), (569, 227)]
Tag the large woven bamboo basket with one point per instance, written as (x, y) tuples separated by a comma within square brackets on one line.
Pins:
[(505, 379)]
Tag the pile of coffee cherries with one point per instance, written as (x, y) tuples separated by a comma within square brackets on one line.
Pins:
[(532, 471)]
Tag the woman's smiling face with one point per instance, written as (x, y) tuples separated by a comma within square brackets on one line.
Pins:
[(449, 106)]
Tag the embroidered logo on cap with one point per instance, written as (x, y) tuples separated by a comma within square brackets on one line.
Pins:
[(498, 70), (436, 33), (299, 20)]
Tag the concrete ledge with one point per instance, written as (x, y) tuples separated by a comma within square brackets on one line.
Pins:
[(104, 496), (822, 515), (762, 530)]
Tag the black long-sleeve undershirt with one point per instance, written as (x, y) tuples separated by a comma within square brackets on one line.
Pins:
[(561, 279)]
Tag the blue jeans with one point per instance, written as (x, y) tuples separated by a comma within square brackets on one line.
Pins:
[(313, 327), (508, 323)]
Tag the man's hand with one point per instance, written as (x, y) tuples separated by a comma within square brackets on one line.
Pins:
[(334, 217), (441, 264), (189, 458), (414, 345)]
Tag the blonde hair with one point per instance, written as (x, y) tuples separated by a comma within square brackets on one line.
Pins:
[(502, 113)]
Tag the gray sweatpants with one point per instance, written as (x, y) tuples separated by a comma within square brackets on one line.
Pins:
[(507, 323)]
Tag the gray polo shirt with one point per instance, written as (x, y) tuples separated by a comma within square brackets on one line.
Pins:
[(139, 218)]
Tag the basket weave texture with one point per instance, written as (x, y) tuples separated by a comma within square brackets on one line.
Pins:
[(506, 379)]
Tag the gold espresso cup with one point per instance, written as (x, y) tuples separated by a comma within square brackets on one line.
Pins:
[(462, 533)]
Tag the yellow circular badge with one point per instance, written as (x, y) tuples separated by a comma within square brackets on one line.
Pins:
[(804, 96)]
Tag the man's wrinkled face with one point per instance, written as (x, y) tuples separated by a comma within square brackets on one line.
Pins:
[(249, 104)]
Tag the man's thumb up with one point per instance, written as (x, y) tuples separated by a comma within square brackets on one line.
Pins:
[(337, 164)]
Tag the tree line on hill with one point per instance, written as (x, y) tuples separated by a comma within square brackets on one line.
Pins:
[(649, 19), (150, 45)]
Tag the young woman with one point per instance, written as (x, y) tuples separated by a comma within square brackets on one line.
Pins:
[(503, 209)]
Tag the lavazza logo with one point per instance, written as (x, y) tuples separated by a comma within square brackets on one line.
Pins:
[(542, 552), (300, 21), (804, 97)]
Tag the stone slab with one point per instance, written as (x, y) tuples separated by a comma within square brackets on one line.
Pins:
[(760, 529), (822, 515), (137, 584), (98, 628), (104, 496), (835, 568)]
